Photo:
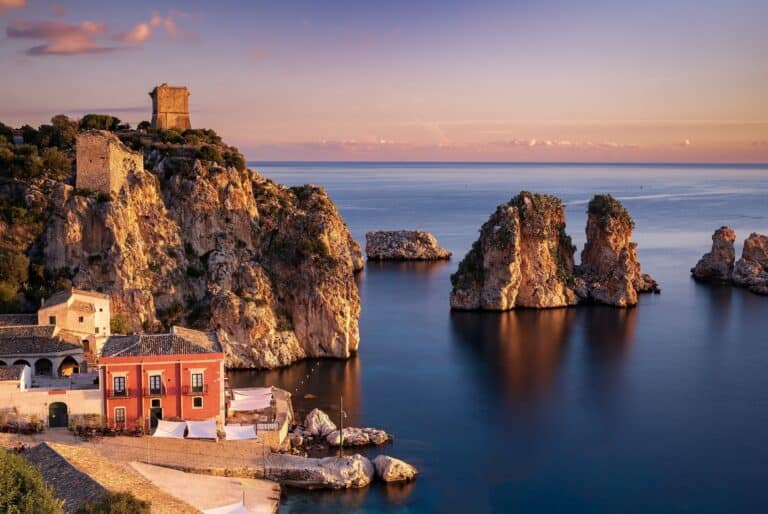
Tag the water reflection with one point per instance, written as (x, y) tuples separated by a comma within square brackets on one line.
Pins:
[(520, 351), (313, 383), (608, 331), (420, 268)]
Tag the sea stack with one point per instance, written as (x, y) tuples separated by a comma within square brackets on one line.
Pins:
[(716, 266), (609, 272), (523, 258), (403, 245), (751, 271)]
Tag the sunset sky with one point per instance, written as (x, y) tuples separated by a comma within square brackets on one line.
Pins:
[(593, 80)]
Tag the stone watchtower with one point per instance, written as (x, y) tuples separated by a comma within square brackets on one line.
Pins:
[(103, 161), (170, 107)]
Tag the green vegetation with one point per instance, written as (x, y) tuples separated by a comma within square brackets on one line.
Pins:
[(22, 489), (57, 165), (470, 273), (14, 274), (99, 122), (118, 324), (116, 503), (606, 207)]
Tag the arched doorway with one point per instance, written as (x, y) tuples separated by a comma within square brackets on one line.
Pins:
[(68, 367), (22, 362), (44, 367), (57, 415), (2, 363)]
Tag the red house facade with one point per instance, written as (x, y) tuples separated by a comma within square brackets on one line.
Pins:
[(162, 376)]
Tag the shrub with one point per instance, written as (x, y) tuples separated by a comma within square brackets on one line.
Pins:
[(21, 162), (116, 503), (211, 154), (22, 489), (144, 125), (14, 267), (99, 122), (606, 207), (119, 324), (56, 163), (235, 159)]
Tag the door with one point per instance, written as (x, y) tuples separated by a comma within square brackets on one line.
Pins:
[(57, 415), (155, 414)]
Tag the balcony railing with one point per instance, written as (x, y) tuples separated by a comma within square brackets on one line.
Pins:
[(194, 390), (121, 393), (156, 391)]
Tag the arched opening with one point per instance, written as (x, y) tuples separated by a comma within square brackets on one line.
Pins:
[(43, 367), (22, 362), (68, 367), (58, 415), (2, 363)]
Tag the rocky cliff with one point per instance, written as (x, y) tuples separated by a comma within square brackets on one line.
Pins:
[(403, 245), (717, 265), (198, 239), (751, 271), (523, 258), (609, 271)]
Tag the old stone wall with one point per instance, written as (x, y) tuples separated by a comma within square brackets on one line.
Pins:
[(103, 162), (170, 108)]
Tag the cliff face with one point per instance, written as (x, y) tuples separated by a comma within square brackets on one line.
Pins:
[(403, 245), (751, 271), (717, 265), (523, 258), (609, 271), (214, 246)]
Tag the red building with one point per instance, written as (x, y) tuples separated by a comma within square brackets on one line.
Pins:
[(162, 376)]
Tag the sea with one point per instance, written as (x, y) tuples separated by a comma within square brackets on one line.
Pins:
[(659, 408)]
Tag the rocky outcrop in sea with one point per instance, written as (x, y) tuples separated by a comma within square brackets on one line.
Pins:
[(403, 245), (524, 258), (716, 266), (390, 469), (751, 271)]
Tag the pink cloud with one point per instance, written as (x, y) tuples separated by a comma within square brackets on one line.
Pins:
[(61, 38), (12, 4), (144, 30)]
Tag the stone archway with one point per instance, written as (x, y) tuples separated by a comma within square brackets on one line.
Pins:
[(58, 415), (2, 363), (68, 366), (43, 367), (22, 362)]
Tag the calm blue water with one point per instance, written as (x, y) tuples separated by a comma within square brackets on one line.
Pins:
[(661, 408)]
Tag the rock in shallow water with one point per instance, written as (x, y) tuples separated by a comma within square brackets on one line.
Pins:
[(390, 469), (359, 437), (403, 245), (329, 473), (717, 265), (751, 271), (318, 423)]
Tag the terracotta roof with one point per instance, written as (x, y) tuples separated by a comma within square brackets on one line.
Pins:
[(27, 331), (11, 372), (34, 345), (149, 345), (17, 319), (70, 484)]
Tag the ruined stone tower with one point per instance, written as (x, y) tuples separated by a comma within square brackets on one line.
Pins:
[(103, 161), (170, 107)]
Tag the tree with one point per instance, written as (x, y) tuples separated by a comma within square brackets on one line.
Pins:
[(99, 122), (64, 132), (22, 489), (14, 267), (21, 161), (56, 163), (116, 503), (144, 125), (6, 131), (30, 135)]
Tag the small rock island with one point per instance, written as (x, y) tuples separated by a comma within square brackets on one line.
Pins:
[(524, 258), (403, 245), (750, 272)]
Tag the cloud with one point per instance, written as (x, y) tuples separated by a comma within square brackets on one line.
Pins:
[(61, 38), (138, 34), (11, 4), (144, 30)]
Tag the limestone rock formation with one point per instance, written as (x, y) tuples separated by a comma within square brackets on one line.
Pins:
[(751, 271), (609, 271), (358, 437), (318, 423), (717, 265), (390, 469), (523, 258), (328, 473), (197, 240), (403, 245)]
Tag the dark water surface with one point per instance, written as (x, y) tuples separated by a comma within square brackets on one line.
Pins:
[(660, 408)]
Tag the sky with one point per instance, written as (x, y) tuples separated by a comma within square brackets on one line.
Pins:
[(532, 81)]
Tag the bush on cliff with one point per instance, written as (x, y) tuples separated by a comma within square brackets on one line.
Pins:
[(22, 489), (116, 503), (99, 122), (606, 207)]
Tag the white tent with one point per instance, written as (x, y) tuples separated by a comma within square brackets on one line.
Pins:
[(171, 429), (235, 508), (202, 429), (251, 392), (250, 404), (238, 432)]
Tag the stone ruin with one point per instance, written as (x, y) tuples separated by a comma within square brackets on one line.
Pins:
[(103, 162), (170, 107)]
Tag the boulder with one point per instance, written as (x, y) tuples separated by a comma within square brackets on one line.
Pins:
[(403, 245), (353, 471), (751, 271), (523, 258), (318, 423), (717, 265), (609, 271), (358, 437), (390, 469)]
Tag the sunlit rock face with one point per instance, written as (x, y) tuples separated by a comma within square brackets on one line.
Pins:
[(403, 245), (751, 271), (716, 266)]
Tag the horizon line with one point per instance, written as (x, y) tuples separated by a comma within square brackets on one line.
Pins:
[(535, 163)]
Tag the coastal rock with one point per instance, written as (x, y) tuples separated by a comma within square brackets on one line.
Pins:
[(390, 469), (523, 258), (751, 271), (328, 473), (403, 245), (609, 271), (717, 265), (318, 423), (358, 437)]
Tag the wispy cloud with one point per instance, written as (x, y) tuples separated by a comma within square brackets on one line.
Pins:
[(145, 29), (11, 4), (61, 38)]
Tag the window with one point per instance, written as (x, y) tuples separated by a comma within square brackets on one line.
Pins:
[(155, 384), (119, 414), (101, 310), (197, 402), (155, 403), (119, 386), (197, 382), (80, 319), (51, 320), (97, 330)]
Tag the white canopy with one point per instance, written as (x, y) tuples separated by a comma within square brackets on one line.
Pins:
[(235, 508), (238, 432), (250, 404), (202, 429), (251, 392), (171, 429)]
